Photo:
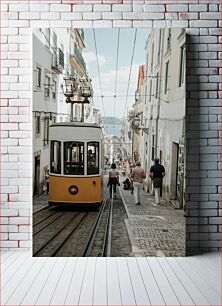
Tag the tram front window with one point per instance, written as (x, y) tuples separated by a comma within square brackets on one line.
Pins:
[(93, 158), (55, 165), (74, 158)]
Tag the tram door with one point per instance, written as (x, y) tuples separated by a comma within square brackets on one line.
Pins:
[(37, 176)]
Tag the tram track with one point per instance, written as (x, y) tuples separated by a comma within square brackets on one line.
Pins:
[(41, 225), (99, 242), (66, 232), (43, 237), (94, 232)]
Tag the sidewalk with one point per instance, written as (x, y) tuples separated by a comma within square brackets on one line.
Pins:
[(40, 202), (154, 230)]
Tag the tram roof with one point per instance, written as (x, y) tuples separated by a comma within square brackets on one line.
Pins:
[(76, 124)]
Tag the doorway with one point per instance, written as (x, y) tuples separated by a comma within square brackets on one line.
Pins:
[(37, 176), (174, 171)]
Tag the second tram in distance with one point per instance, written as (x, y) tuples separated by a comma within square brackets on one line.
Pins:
[(76, 164)]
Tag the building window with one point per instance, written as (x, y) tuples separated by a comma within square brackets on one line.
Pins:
[(93, 158), (54, 90), (46, 131), (47, 86), (147, 65), (55, 157), (38, 78), (159, 46), (182, 66), (150, 95), (74, 158), (157, 84), (37, 124), (166, 77), (54, 42), (169, 39), (153, 147), (47, 37), (152, 57)]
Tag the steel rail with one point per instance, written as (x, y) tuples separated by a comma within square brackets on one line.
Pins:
[(54, 236), (70, 234), (107, 240), (95, 227), (45, 218), (52, 221)]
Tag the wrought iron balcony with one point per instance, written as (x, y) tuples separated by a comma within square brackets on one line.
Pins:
[(58, 59), (78, 56)]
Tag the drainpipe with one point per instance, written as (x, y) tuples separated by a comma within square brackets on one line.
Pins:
[(159, 83)]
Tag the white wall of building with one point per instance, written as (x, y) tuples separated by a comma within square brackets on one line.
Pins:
[(44, 103), (49, 102), (164, 106)]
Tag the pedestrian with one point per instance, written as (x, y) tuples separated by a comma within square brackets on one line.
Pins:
[(113, 180), (132, 166), (126, 184), (157, 173), (138, 174), (47, 180)]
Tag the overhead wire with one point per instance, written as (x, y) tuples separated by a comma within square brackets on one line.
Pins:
[(117, 63), (131, 63), (99, 75)]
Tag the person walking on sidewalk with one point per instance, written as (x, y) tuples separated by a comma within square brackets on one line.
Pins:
[(157, 173), (132, 166), (138, 175)]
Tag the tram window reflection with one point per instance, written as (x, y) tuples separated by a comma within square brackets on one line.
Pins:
[(55, 165), (74, 158), (93, 158)]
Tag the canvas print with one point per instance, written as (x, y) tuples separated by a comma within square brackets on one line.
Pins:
[(109, 137)]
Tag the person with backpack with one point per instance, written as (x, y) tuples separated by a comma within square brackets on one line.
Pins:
[(157, 173), (113, 180)]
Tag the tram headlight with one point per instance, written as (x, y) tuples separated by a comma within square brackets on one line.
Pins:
[(73, 190)]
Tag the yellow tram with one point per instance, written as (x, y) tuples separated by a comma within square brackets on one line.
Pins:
[(76, 164)]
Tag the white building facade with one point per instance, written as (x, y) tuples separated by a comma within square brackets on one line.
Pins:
[(164, 109), (56, 53), (137, 132)]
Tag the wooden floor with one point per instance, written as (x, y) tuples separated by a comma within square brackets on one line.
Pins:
[(113, 281)]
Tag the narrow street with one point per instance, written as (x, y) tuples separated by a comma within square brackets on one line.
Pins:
[(79, 132), (152, 230)]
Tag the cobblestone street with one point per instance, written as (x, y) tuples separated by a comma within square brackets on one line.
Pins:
[(154, 230)]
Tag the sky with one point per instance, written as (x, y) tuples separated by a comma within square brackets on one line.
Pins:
[(106, 42)]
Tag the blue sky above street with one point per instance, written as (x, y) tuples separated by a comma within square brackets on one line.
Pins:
[(106, 41)]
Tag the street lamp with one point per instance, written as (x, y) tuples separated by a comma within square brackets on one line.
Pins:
[(85, 88), (136, 121), (69, 87), (80, 88)]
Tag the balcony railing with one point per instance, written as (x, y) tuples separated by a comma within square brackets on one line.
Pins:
[(79, 58), (58, 59)]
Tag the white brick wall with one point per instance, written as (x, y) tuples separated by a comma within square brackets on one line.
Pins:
[(200, 17)]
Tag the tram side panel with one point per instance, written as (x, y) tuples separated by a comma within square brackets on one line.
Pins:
[(75, 190)]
